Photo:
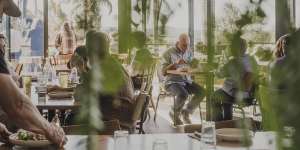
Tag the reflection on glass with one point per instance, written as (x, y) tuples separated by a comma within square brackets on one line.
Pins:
[(27, 31)]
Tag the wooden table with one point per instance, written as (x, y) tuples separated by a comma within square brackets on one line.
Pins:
[(145, 142), (52, 104)]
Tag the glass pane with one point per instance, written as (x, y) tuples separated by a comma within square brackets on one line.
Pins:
[(61, 11), (178, 20), (27, 31), (228, 10)]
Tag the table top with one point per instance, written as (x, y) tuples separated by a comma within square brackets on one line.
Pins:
[(145, 142), (46, 103), (189, 72)]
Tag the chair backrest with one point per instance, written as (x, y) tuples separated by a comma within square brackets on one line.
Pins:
[(60, 59), (142, 101), (18, 69), (148, 75), (109, 128)]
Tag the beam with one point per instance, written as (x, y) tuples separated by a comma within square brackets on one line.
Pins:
[(45, 28), (191, 23), (285, 17), (124, 25), (8, 35), (210, 41)]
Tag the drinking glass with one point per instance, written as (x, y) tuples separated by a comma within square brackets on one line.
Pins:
[(208, 136), (27, 84), (121, 139), (64, 79), (271, 140), (160, 144)]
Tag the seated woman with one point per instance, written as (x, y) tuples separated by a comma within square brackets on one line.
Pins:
[(240, 82), (119, 105)]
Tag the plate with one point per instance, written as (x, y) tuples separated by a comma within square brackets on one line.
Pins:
[(29, 143), (232, 134), (60, 95)]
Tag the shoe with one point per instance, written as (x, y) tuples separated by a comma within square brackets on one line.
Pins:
[(176, 119), (186, 117)]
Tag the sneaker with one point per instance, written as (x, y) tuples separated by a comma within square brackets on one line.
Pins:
[(186, 117), (176, 119)]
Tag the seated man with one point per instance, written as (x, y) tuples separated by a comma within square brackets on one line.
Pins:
[(240, 82), (181, 86), (114, 106)]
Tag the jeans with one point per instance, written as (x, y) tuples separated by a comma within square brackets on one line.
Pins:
[(181, 93), (222, 105)]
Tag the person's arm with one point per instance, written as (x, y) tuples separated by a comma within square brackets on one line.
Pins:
[(168, 65), (58, 41), (4, 133), (20, 109)]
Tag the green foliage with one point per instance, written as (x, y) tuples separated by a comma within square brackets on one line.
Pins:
[(250, 22), (88, 13), (112, 78), (264, 54)]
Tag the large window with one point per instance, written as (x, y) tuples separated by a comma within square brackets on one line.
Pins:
[(27, 31), (176, 13), (61, 11), (227, 11)]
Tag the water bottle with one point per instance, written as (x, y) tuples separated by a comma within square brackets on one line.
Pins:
[(49, 71), (73, 76)]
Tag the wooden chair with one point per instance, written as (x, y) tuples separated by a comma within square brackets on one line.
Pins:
[(109, 128), (18, 69), (60, 59), (139, 115)]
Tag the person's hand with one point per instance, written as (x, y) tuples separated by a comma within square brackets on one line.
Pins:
[(4, 133), (56, 135)]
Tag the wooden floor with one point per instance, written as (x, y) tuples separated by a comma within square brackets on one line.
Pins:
[(162, 125)]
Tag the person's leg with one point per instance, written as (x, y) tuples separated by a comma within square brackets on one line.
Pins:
[(181, 95), (227, 107), (221, 107), (199, 94)]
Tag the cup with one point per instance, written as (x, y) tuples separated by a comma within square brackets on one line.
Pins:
[(63, 79), (208, 135), (160, 144), (121, 139), (27, 84)]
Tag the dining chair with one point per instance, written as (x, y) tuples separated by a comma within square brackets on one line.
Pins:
[(108, 129), (139, 115), (18, 69), (60, 59)]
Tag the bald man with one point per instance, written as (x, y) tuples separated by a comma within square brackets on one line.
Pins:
[(181, 86)]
